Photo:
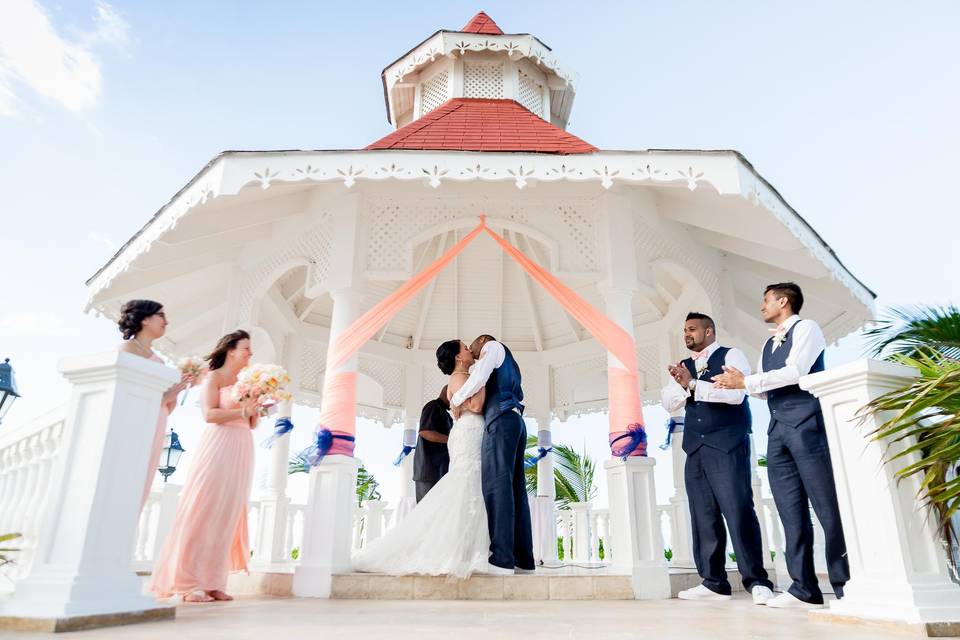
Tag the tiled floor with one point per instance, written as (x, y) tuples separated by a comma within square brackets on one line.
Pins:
[(268, 619)]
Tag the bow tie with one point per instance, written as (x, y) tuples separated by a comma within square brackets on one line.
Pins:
[(696, 355)]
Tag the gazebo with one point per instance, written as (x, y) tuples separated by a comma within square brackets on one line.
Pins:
[(296, 245)]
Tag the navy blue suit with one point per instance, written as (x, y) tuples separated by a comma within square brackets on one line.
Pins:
[(717, 474), (502, 477), (798, 465)]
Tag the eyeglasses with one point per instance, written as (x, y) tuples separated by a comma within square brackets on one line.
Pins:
[(161, 314)]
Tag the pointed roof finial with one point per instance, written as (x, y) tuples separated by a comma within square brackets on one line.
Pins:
[(482, 23)]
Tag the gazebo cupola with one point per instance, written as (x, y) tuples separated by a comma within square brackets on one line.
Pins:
[(478, 61)]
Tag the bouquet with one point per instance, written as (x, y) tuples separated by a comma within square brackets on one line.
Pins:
[(192, 367), (266, 383)]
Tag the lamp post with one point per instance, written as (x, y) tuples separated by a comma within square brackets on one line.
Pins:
[(8, 388), (170, 455)]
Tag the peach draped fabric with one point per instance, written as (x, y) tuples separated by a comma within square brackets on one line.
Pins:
[(338, 413)]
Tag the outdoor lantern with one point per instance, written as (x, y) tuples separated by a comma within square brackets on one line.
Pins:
[(8, 388), (170, 455)]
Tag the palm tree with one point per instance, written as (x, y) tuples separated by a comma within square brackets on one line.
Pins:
[(928, 408), (573, 474), (367, 486)]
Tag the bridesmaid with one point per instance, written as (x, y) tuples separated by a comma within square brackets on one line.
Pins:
[(208, 538), (141, 322)]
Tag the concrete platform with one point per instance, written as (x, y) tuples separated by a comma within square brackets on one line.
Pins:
[(562, 583), (259, 618)]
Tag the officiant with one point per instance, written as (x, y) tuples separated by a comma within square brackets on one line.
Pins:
[(432, 460)]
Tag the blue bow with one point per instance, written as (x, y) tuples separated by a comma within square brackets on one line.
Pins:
[(637, 436), (407, 449), (541, 454), (672, 425), (314, 454), (282, 427)]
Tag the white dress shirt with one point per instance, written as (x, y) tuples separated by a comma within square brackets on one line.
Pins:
[(491, 357), (673, 397), (808, 344)]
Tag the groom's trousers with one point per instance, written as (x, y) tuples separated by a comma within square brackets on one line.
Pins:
[(505, 492)]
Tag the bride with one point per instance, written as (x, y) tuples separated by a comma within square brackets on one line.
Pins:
[(446, 534)]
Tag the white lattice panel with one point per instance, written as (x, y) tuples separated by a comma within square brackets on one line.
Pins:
[(648, 364), (313, 246), (388, 374), (313, 359), (566, 377), (483, 80), (582, 232), (433, 381), (530, 94), (652, 244), (434, 92)]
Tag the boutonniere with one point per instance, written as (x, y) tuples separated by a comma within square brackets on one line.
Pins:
[(779, 337), (702, 369)]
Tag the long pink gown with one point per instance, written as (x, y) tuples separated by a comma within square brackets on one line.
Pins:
[(208, 538), (158, 436)]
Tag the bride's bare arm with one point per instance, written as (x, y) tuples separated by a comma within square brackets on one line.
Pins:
[(475, 402), (210, 402)]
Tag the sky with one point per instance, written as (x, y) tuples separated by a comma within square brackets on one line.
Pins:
[(107, 109)]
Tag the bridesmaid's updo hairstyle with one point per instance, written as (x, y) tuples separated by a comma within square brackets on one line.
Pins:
[(218, 356), (133, 313), (447, 356)]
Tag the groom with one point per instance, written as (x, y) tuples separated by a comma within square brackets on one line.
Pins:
[(502, 455)]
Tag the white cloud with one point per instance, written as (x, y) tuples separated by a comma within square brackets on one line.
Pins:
[(33, 53)]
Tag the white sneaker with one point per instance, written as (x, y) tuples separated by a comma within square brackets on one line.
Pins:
[(494, 570), (787, 600), (761, 594), (700, 592)]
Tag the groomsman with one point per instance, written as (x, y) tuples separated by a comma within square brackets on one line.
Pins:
[(431, 461), (717, 470), (798, 459)]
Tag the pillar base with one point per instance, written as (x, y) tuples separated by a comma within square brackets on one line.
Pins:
[(329, 528), (63, 624)]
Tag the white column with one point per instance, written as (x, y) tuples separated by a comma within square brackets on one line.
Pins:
[(682, 542), (543, 505), (270, 553), (375, 512), (898, 565), (635, 527), (82, 564), (169, 496), (413, 386), (581, 531), (333, 489)]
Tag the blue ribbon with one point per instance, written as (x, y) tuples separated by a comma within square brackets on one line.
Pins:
[(314, 454), (672, 425), (407, 450), (542, 453), (282, 427), (637, 436)]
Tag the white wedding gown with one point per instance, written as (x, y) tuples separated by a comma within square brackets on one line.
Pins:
[(446, 533)]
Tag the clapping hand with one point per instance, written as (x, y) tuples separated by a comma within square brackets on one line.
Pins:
[(681, 374), (731, 378)]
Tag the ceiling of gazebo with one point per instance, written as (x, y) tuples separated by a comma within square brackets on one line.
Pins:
[(226, 251)]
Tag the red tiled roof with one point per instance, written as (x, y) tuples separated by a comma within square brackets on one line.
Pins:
[(483, 124), (482, 23)]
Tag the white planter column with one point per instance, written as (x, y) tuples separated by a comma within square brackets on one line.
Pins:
[(270, 553), (682, 542), (333, 486), (82, 563), (544, 503), (581, 531), (413, 385), (898, 565)]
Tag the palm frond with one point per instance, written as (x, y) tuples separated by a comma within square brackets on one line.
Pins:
[(574, 475), (367, 486), (530, 473), (926, 412), (909, 331)]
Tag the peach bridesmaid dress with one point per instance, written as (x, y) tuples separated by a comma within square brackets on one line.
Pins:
[(208, 538), (158, 436)]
